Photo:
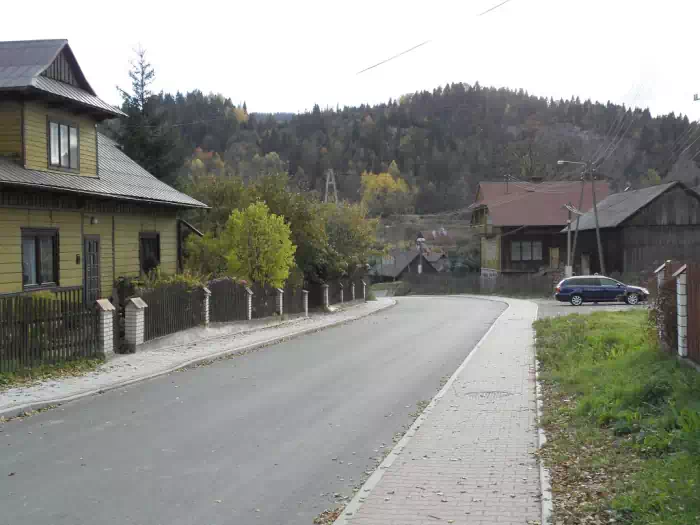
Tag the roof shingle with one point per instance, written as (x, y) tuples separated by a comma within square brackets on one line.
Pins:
[(21, 65), (526, 204), (618, 207), (120, 177)]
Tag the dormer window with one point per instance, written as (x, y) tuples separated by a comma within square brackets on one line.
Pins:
[(63, 145)]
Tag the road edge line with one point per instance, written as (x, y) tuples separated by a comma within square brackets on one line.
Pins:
[(18, 411), (376, 476)]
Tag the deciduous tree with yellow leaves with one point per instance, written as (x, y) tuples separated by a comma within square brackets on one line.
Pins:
[(385, 194)]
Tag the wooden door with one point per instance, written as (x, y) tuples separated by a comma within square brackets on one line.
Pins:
[(585, 264), (554, 257), (91, 268)]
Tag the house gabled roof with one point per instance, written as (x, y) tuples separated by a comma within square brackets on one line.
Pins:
[(619, 207), (119, 177), (527, 204), (401, 258), (23, 62)]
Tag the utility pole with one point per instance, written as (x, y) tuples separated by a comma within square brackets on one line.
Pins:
[(330, 179), (591, 170), (588, 167), (568, 270)]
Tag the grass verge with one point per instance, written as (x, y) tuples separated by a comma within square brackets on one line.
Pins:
[(28, 376), (622, 421)]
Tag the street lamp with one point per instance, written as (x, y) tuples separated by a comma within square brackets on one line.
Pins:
[(419, 241)]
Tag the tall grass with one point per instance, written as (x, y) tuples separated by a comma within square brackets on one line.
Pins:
[(608, 382)]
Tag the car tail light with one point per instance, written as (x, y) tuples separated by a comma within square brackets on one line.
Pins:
[(558, 289)]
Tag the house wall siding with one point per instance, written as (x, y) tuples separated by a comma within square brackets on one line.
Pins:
[(10, 129), (36, 116), (677, 206), (491, 253), (68, 223)]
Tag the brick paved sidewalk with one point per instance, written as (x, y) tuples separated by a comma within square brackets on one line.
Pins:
[(471, 461)]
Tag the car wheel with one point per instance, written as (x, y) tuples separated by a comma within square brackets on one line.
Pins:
[(576, 300), (632, 298)]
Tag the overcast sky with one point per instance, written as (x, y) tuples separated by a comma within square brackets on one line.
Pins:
[(286, 56)]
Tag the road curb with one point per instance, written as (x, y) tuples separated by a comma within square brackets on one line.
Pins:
[(545, 479), (17, 411), (376, 476)]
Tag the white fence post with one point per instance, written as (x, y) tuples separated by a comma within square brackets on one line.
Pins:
[(342, 290), (106, 311), (326, 302), (249, 303), (207, 296), (352, 291), (682, 307), (364, 290), (305, 299), (135, 321), (279, 301)]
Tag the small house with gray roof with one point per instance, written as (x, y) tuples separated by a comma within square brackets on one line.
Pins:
[(396, 263), (75, 211), (640, 229)]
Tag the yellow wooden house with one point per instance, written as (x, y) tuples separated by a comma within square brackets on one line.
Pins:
[(74, 209)]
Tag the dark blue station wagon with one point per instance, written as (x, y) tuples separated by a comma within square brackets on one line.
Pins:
[(598, 289)]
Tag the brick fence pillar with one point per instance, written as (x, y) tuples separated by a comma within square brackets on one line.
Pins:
[(342, 291), (682, 307), (326, 302), (207, 300), (249, 303), (364, 290), (135, 322), (305, 300), (352, 291), (106, 310), (279, 301)]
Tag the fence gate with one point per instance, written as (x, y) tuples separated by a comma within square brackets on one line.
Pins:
[(264, 300)]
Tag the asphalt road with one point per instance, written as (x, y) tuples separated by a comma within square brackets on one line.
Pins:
[(266, 438)]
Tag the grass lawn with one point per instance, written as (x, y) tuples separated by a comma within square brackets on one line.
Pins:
[(27, 376), (622, 421)]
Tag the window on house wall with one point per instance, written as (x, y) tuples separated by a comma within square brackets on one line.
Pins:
[(63, 145), (149, 251), (526, 250), (39, 258)]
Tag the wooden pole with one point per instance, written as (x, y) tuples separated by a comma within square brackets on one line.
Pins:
[(597, 228)]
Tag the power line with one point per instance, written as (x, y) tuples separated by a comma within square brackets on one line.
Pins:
[(493, 8), (392, 58)]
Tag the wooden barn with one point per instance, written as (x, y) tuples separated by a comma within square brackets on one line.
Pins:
[(640, 230)]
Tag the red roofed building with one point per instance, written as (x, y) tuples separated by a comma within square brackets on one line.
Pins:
[(520, 223)]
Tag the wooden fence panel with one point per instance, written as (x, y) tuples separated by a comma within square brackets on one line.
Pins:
[(227, 301), (693, 308), (172, 308), (293, 300), (39, 329), (264, 301)]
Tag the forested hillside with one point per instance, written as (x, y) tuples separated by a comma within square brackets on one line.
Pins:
[(444, 142)]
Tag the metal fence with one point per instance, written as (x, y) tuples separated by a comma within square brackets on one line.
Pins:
[(264, 300), (43, 328), (228, 301), (172, 308)]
